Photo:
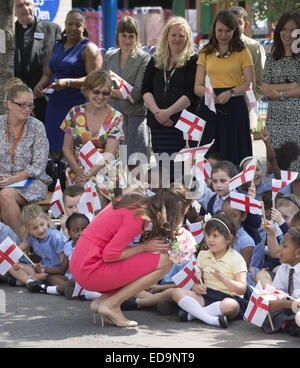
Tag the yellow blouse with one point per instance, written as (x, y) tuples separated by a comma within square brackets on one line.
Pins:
[(226, 72)]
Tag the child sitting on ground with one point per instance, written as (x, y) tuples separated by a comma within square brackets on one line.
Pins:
[(284, 312), (76, 224), (47, 276), (71, 197)]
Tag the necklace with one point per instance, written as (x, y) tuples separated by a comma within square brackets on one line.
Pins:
[(17, 137)]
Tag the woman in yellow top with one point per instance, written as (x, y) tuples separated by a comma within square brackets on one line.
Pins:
[(229, 66)]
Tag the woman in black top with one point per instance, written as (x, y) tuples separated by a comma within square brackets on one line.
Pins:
[(168, 87)]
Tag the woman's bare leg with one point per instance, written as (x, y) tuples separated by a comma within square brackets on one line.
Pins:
[(114, 301), (10, 204)]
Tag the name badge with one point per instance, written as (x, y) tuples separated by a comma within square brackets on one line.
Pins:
[(38, 36)]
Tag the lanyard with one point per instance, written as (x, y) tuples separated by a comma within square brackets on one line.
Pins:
[(167, 80), (16, 140)]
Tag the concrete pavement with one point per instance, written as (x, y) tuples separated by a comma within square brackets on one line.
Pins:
[(50, 321)]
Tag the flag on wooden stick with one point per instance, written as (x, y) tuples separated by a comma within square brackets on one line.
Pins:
[(124, 87), (245, 203), (10, 253), (209, 98), (191, 125), (252, 100), (56, 203), (246, 175), (89, 156), (188, 276)]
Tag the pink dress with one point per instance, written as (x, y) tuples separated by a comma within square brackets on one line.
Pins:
[(104, 239)]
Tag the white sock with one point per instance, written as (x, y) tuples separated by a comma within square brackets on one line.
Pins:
[(213, 309), (192, 306), (89, 295), (52, 290)]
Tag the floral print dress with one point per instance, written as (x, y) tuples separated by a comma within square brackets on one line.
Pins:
[(76, 125)]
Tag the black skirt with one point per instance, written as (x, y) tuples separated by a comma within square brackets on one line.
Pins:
[(230, 127)]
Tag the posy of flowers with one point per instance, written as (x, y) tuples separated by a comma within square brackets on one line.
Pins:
[(182, 248)]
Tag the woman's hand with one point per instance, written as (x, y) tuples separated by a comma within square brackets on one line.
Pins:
[(6, 179), (223, 97), (60, 84), (271, 92), (38, 90), (162, 116), (81, 178), (156, 245)]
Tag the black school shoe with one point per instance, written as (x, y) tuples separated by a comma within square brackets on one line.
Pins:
[(129, 304), (167, 308), (183, 316), (37, 287)]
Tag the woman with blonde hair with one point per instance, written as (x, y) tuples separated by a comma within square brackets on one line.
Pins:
[(168, 86), (129, 62), (97, 122), (24, 152)]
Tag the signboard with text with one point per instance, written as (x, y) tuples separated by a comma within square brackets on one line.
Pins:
[(46, 9)]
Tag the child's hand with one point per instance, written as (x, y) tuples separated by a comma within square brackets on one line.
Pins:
[(252, 191), (155, 289), (277, 305), (268, 227), (38, 268), (265, 135), (199, 289), (16, 266), (276, 216), (216, 273)]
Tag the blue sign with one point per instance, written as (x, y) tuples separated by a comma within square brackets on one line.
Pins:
[(46, 9)]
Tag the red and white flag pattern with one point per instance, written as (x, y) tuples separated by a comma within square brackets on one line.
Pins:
[(258, 306), (191, 125), (202, 169), (56, 204), (196, 228), (252, 100), (192, 153), (10, 253), (48, 90), (287, 177), (89, 201), (209, 98), (89, 156), (245, 203), (124, 87), (246, 175), (188, 276)]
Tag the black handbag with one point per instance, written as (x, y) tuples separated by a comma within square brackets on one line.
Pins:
[(56, 169)]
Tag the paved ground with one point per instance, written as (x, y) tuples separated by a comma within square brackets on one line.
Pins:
[(42, 321), (34, 320)]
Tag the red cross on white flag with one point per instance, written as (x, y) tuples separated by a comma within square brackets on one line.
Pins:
[(196, 228), (191, 125), (287, 177), (209, 95), (245, 203), (246, 175), (124, 87), (56, 203), (192, 153), (188, 276), (202, 169), (89, 201), (89, 156), (252, 100), (10, 253)]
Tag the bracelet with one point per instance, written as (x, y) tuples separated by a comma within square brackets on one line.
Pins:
[(68, 83), (281, 97)]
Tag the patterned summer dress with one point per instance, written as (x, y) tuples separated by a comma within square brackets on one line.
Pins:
[(283, 117), (75, 124), (30, 154)]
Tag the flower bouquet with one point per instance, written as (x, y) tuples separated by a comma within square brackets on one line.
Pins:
[(182, 248)]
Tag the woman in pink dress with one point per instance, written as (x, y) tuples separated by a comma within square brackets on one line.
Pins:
[(103, 261)]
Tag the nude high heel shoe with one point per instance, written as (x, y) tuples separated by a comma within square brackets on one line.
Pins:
[(104, 311)]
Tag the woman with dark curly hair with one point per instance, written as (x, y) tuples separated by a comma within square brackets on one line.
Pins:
[(281, 84), (229, 66)]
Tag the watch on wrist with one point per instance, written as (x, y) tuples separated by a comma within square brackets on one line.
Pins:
[(232, 93), (281, 97)]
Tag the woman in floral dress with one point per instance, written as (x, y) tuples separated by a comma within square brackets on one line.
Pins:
[(97, 122)]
